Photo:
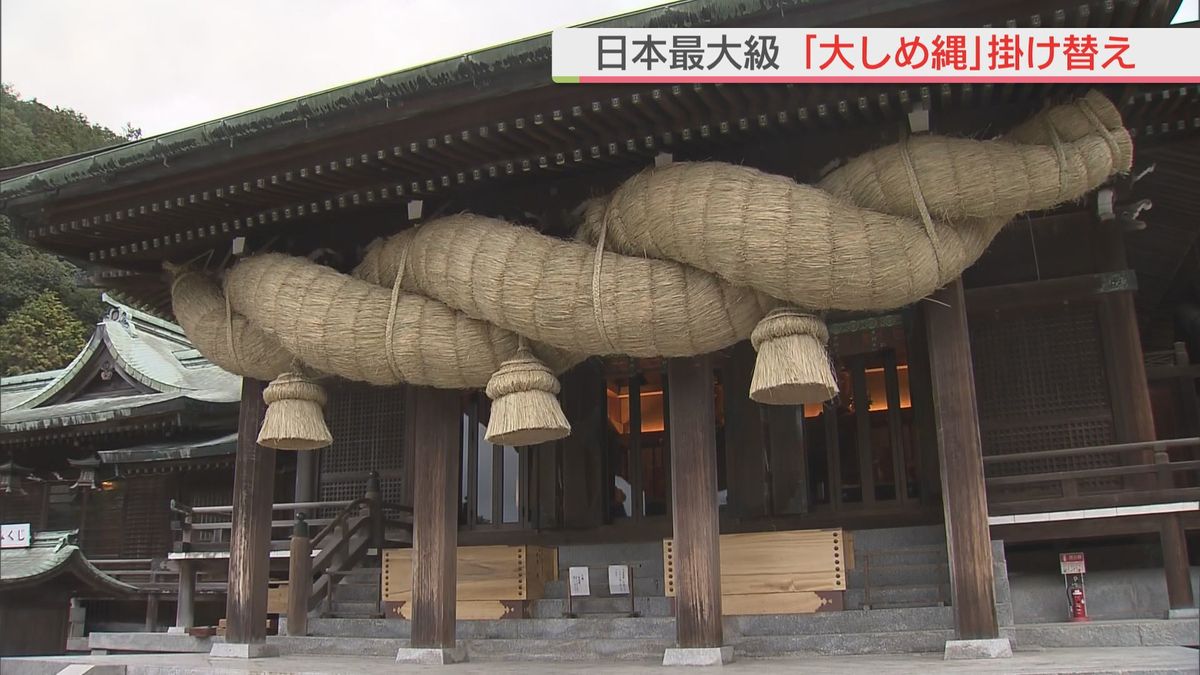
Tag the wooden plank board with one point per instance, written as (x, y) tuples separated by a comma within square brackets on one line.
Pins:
[(805, 602), (774, 562), (484, 572), (468, 610), (277, 599)]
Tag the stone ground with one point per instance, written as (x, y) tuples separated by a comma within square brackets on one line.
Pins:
[(1120, 660)]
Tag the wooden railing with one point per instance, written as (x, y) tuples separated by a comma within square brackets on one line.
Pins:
[(1141, 473), (190, 537), (153, 575)]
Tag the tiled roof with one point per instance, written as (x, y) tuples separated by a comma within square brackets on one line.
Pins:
[(50, 555), (147, 349)]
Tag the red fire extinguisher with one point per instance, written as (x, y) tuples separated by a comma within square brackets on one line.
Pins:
[(1073, 568)]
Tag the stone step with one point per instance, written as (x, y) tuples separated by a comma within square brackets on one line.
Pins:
[(356, 592), (581, 628), (363, 575), (898, 537), (907, 555), (558, 650), (339, 646), (599, 586), (898, 575), (850, 621), (883, 642), (355, 609), (648, 606), (647, 552), (898, 596), (640, 569)]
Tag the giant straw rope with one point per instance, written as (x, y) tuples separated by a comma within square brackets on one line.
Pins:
[(679, 260)]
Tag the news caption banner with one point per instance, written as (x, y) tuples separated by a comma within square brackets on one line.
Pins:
[(879, 55)]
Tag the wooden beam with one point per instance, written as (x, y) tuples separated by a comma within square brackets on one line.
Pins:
[(1175, 563), (585, 485), (438, 415), (960, 454), (185, 605), (745, 440), (250, 541), (694, 492), (410, 444), (789, 457), (862, 424), (1049, 291), (299, 579)]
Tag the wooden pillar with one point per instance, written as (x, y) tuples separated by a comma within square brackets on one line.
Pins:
[(299, 579), (960, 456), (1133, 417), (1175, 564), (152, 613), (746, 442), (250, 542), (306, 477), (185, 606), (435, 517), (694, 513)]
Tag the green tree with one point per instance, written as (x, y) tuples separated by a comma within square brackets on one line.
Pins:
[(31, 132), (42, 335)]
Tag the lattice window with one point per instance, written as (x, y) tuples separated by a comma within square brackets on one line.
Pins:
[(147, 519), (1040, 384), (367, 424)]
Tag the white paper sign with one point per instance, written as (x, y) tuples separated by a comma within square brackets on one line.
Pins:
[(618, 579), (14, 536), (579, 581)]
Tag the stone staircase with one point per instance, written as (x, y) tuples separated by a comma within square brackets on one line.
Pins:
[(646, 577), (908, 567), (905, 630), (357, 595)]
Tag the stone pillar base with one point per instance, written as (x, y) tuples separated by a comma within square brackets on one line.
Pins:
[(177, 630), (432, 656), (241, 650), (996, 648), (1183, 613), (697, 656)]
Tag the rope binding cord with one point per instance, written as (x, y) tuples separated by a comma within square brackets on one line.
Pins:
[(700, 255)]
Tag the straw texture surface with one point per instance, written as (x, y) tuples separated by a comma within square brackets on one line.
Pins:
[(679, 260)]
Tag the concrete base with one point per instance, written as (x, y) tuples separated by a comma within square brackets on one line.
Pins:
[(177, 630), (432, 656), (240, 650), (1184, 613), (998, 648), (697, 656)]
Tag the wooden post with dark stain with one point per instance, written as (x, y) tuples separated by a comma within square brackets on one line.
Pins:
[(694, 513), (960, 455), (299, 578), (185, 605), (438, 421), (1175, 563), (250, 541)]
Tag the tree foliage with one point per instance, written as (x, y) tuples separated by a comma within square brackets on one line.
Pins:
[(31, 132), (42, 335)]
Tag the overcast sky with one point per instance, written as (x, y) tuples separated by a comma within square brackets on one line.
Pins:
[(167, 64)]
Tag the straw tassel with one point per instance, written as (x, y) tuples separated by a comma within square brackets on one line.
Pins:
[(525, 409), (792, 366), (295, 418)]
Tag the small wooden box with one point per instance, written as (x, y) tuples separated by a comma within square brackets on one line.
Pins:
[(794, 572), (494, 582)]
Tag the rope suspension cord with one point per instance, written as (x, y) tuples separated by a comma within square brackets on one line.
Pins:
[(389, 333), (914, 184)]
